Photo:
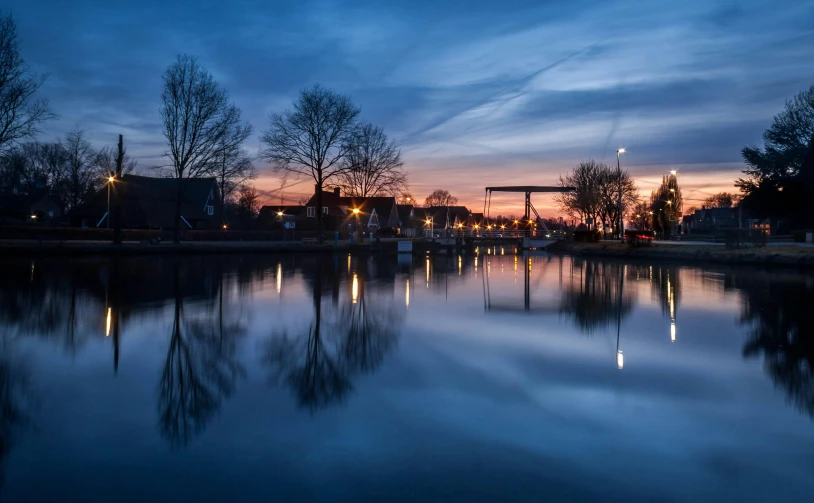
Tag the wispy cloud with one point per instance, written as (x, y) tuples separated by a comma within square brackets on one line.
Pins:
[(526, 88)]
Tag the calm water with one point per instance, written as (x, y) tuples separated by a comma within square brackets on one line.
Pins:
[(486, 378)]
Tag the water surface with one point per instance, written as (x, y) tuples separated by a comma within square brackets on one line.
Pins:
[(493, 377)]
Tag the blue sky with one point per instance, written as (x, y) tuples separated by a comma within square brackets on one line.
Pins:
[(477, 93)]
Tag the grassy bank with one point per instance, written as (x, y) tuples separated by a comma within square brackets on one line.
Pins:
[(788, 256)]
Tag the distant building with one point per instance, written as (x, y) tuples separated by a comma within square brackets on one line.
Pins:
[(710, 219), (374, 214), (150, 203), (38, 207)]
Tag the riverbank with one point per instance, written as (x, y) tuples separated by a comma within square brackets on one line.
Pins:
[(780, 255), (74, 248)]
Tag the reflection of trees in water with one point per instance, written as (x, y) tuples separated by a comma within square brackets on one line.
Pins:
[(15, 398), (781, 328), (591, 297), (341, 342), (201, 369)]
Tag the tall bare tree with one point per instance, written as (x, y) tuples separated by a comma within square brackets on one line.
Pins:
[(373, 165), (232, 166), (597, 193), (80, 177), (440, 197), (197, 119), (312, 139), (20, 114)]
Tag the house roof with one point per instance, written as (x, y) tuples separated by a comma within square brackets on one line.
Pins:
[(406, 215), (151, 202), (439, 215), (342, 206)]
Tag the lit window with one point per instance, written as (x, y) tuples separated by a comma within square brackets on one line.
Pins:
[(210, 210), (311, 211), (325, 210)]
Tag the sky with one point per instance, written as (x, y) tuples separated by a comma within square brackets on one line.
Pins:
[(476, 92)]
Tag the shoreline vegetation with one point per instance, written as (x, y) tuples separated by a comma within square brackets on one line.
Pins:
[(780, 255)]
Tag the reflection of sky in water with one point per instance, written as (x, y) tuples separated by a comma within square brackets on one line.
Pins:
[(478, 399)]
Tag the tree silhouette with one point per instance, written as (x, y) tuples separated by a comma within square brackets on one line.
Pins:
[(199, 372), (594, 302), (15, 397), (319, 365), (781, 329)]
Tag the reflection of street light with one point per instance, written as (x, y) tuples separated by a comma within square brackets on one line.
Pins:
[(107, 322), (672, 331), (620, 359), (355, 288)]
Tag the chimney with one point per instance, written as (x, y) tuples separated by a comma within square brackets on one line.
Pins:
[(336, 191)]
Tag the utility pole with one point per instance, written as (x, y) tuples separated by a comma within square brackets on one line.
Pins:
[(117, 202)]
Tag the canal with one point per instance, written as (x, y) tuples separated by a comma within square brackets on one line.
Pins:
[(486, 377)]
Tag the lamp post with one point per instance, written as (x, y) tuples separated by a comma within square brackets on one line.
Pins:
[(110, 181), (356, 227), (675, 193), (620, 151)]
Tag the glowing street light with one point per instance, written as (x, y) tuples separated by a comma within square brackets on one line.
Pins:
[(110, 181)]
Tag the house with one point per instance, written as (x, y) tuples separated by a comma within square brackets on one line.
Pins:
[(371, 214), (709, 219), (410, 224), (150, 203), (23, 208)]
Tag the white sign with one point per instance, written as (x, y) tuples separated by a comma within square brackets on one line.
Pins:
[(289, 225), (405, 247)]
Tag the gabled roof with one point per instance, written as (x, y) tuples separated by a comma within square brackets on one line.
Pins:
[(406, 215), (440, 215), (151, 202)]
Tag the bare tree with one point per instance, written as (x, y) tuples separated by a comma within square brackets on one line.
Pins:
[(312, 139), (105, 162), (440, 197), (197, 119), (20, 115), (721, 200), (232, 166), (248, 202), (373, 165), (80, 177), (597, 193)]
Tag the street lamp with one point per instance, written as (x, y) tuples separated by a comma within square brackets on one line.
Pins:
[(110, 181), (429, 222), (620, 151), (356, 213)]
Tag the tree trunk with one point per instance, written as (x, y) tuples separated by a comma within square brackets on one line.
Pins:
[(319, 209), (117, 205), (176, 235)]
